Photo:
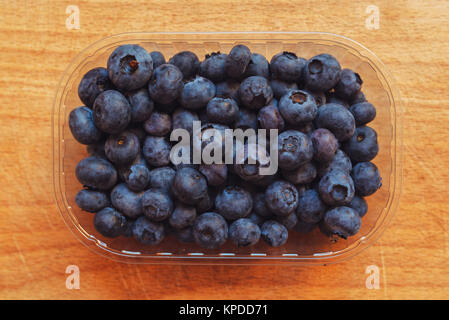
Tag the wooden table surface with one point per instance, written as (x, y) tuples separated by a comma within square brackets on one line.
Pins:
[(36, 246)]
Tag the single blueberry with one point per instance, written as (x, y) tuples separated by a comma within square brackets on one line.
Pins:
[(359, 204), (216, 174), (158, 124), (244, 232), (187, 62), (138, 177), (294, 148), (237, 61), (197, 93), (111, 111), (156, 205), (96, 172), (325, 145), (336, 188), (213, 67), (260, 206), (82, 126), (341, 221), (321, 72), (141, 104), (311, 208), (287, 66), (130, 67), (349, 84), (158, 58), (183, 119), (156, 151), (367, 179), (123, 148), (91, 200), (234, 202), (336, 119), (305, 173), (148, 232), (281, 197), (257, 66), (363, 113), (165, 84), (339, 161), (255, 92), (109, 222), (269, 117), (189, 185), (183, 216), (126, 201), (162, 178), (289, 221), (274, 233), (222, 110), (93, 83), (210, 230), (298, 107), (362, 146)]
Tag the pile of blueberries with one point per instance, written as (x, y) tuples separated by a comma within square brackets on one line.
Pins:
[(324, 147)]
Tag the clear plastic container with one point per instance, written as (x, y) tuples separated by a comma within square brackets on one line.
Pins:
[(312, 248)]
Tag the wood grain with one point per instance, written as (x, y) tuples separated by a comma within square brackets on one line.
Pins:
[(36, 246)]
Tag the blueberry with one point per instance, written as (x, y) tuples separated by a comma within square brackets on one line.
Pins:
[(96, 172), (336, 188), (287, 66), (228, 89), (359, 204), (349, 84), (156, 205), (165, 84), (82, 126), (281, 197), (359, 97), (112, 112), (321, 72), (305, 173), (237, 61), (158, 58), (148, 232), (234, 202), (367, 179), (363, 113), (298, 107), (341, 221), (337, 119), (197, 93), (130, 67), (183, 119), (244, 233), (141, 104), (158, 124), (91, 200), (122, 148), (213, 67), (126, 201), (304, 227), (189, 185), (184, 235), (274, 233), (325, 145), (216, 174), (281, 88), (363, 145), (289, 221), (162, 178), (138, 177), (222, 110), (295, 149), (156, 151), (125, 170), (269, 117), (257, 66), (93, 83), (109, 222), (340, 161), (260, 206), (247, 119), (311, 208), (210, 230), (187, 62), (255, 92), (183, 216)]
